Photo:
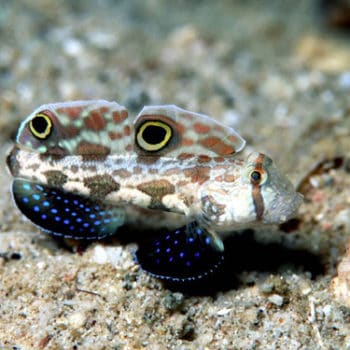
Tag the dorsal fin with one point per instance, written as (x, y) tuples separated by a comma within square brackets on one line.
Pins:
[(89, 128), (97, 128), (172, 131)]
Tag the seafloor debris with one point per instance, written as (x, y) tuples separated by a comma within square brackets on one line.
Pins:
[(340, 285), (321, 167)]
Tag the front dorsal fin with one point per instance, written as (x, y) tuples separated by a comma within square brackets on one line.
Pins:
[(93, 128), (172, 131)]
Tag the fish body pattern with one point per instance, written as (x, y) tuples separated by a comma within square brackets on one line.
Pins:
[(82, 169)]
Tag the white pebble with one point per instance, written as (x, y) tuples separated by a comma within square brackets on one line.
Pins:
[(276, 299), (224, 312), (116, 256), (73, 47), (342, 218), (41, 265), (77, 320)]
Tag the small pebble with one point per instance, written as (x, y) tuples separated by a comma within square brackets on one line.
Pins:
[(187, 331), (224, 312), (266, 287), (73, 47), (41, 265), (173, 301), (342, 218), (276, 299), (77, 320), (116, 256), (305, 287)]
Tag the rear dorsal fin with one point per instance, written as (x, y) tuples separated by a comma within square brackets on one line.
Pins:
[(172, 131)]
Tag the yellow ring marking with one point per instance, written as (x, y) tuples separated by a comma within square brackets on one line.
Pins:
[(45, 134), (150, 146)]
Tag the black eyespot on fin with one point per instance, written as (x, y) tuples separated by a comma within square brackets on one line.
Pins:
[(41, 126), (153, 135)]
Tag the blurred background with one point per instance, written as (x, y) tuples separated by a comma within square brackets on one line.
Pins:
[(278, 71), (250, 64)]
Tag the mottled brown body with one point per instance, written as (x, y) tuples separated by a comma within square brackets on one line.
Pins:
[(124, 180), (165, 160)]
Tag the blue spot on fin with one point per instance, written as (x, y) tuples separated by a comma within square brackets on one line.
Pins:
[(66, 214), (185, 254)]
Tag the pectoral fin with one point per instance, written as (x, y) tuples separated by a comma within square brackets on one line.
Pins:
[(66, 214)]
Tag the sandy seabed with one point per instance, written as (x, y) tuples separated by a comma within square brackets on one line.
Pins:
[(273, 70)]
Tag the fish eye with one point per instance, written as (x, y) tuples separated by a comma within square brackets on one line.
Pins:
[(41, 126), (257, 177), (153, 135)]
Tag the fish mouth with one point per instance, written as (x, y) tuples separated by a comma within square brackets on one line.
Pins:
[(291, 208), (283, 210)]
